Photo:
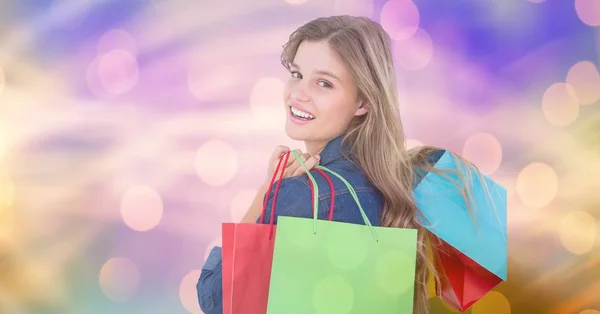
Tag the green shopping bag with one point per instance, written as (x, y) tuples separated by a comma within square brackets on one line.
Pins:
[(322, 266)]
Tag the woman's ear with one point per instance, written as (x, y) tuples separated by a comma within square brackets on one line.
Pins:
[(363, 108)]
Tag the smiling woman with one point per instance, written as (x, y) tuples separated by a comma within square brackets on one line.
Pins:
[(341, 101), (319, 92)]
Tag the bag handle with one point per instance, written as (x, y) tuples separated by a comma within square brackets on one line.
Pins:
[(264, 209), (331, 188), (281, 166), (348, 186)]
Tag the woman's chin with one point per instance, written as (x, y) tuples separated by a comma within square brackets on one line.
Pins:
[(295, 133)]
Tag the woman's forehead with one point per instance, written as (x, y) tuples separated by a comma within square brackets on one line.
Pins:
[(318, 56)]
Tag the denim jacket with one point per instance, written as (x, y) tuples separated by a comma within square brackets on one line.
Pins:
[(294, 199)]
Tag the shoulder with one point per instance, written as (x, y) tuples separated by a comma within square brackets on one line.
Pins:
[(346, 205), (352, 173), (294, 197)]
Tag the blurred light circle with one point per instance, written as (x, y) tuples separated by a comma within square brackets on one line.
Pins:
[(266, 95), (578, 232), (2, 80), (295, 2), (483, 150), (119, 279), (400, 18), (560, 104), (355, 7), (141, 208), (415, 52), (537, 1), (537, 185), (116, 39), (118, 71), (211, 245), (240, 204), (589, 312), (188, 294), (585, 79), (588, 11), (93, 81), (492, 303), (216, 162), (7, 191), (411, 143)]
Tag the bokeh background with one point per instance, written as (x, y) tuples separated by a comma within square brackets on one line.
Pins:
[(130, 129)]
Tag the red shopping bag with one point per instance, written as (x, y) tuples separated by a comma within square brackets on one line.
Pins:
[(463, 281), (247, 256)]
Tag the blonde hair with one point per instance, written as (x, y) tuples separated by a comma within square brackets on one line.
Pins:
[(376, 139)]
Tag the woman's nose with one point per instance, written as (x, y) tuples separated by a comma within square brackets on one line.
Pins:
[(299, 93)]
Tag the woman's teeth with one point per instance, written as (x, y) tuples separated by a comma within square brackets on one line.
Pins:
[(302, 114)]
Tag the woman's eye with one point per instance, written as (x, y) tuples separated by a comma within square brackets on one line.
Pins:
[(325, 84), (296, 74)]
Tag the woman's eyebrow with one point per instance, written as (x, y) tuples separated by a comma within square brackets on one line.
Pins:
[(321, 72)]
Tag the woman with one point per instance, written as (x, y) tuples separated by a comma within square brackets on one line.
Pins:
[(341, 100)]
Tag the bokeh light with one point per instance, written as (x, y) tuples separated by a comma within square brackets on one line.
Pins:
[(560, 104), (585, 80), (578, 231), (117, 39), (588, 11), (484, 150), (415, 52), (118, 71), (354, 7), (492, 303), (100, 98), (400, 18), (188, 294), (2, 80), (119, 279), (333, 287), (216, 162), (537, 185), (141, 208), (240, 204), (589, 312), (93, 81)]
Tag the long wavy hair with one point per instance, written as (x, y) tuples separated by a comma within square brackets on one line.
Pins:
[(376, 139)]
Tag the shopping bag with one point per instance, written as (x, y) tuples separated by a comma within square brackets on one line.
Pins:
[(247, 255), (322, 266), (469, 247)]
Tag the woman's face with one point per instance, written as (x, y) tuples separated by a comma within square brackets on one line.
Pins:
[(321, 97)]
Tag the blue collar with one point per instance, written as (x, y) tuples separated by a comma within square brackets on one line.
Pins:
[(333, 151)]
